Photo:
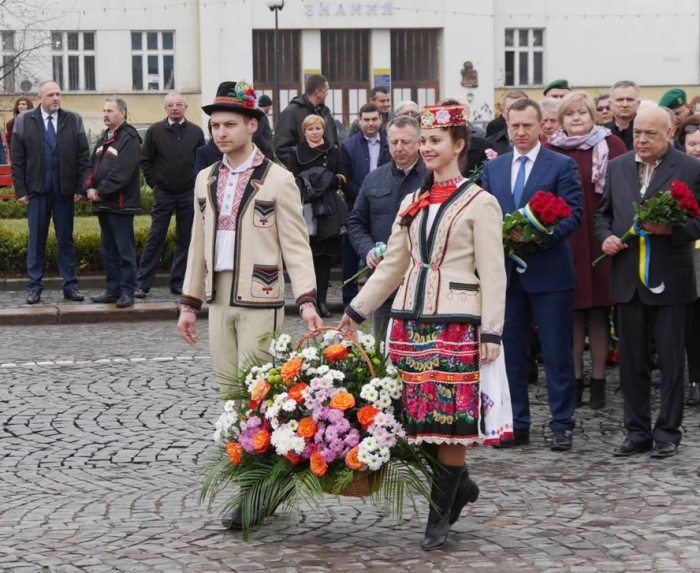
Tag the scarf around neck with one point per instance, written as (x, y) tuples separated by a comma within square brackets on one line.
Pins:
[(594, 140)]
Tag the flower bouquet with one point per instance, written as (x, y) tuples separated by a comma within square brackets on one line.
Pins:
[(672, 207), (534, 221), (320, 418), (379, 251)]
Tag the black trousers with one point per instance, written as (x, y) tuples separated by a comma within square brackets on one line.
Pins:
[(692, 341), (164, 205), (667, 325)]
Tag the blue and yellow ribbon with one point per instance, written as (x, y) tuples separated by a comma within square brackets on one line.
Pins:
[(520, 264), (645, 257)]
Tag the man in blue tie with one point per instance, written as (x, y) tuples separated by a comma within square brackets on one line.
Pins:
[(49, 165), (544, 291)]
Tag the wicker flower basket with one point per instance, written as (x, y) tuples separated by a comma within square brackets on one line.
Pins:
[(365, 483)]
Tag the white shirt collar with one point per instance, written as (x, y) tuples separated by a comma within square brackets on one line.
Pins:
[(45, 115), (531, 155), (640, 160), (243, 166), (375, 140), (171, 122)]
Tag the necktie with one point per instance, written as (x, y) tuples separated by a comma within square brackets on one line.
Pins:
[(50, 132), (519, 182), (178, 129)]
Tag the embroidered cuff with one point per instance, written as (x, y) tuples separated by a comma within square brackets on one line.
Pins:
[(306, 297), (492, 337), (355, 314), (195, 303)]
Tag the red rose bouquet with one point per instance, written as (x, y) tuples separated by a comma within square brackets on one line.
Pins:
[(534, 221), (672, 207)]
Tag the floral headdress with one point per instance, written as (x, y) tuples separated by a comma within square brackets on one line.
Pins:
[(432, 116)]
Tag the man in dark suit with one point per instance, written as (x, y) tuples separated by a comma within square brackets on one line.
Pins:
[(500, 140), (624, 103), (660, 306), (545, 290), (49, 165)]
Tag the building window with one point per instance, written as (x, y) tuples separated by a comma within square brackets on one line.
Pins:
[(152, 61), (524, 57), (9, 63), (73, 59), (345, 55), (289, 50)]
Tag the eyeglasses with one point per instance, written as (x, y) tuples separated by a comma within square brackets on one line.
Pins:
[(691, 128), (602, 108), (175, 105)]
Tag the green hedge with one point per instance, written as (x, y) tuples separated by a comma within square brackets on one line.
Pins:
[(14, 237), (14, 210)]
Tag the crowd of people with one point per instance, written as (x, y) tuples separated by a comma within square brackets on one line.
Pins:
[(418, 182)]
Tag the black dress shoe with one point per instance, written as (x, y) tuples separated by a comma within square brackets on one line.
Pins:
[(74, 295), (562, 440), (693, 395), (630, 448), (176, 290), (663, 450), (125, 301), (323, 311), (34, 297), (520, 438), (105, 297), (140, 293)]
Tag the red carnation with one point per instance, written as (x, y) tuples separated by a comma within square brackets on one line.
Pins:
[(679, 190), (563, 209)]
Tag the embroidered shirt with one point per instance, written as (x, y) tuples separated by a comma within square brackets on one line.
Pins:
[(229, 192), (646, 172)]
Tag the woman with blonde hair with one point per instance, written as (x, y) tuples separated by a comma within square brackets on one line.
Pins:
[(591, 146)]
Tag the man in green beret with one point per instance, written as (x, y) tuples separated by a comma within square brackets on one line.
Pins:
[(676, 100), (557, 89)]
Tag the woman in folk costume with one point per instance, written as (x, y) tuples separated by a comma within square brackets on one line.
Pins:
[(446, 258)]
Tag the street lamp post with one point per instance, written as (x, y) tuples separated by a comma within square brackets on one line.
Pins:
[(275, 6)]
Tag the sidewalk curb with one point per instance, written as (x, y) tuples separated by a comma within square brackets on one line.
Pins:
[(90, 313)]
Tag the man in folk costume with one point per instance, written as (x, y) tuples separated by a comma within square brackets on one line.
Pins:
[(248, 218)]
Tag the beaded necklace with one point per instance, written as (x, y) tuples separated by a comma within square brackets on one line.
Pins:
[(442, 190)]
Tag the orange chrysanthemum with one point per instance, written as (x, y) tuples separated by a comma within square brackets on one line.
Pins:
[(351, 459), (319, 467), (234, 451), (336, 352), (307, 428), (291, 369), (295, 392), (342, 401), (261, 441), (366, 415)]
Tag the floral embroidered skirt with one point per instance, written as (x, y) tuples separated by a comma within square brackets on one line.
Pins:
[(442, 396)]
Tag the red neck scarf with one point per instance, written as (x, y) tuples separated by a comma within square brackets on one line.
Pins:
[(440, 192)]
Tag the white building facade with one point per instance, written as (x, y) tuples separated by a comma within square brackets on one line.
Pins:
[(140, 49)]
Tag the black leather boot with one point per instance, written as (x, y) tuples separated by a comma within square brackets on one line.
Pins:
[(579, 391), (442, 494), (467, 492), (597, 393), (323, 311), (693, 394)]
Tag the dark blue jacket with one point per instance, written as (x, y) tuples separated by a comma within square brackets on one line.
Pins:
[(378, 204), (354, 162), (206, 156), (550, 268)]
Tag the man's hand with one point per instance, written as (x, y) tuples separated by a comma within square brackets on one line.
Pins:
[(371, 260), (311, 318), (348, 326), (187, 325), (613, 245), (489, 352), (23, 200), (654, 229), (517, 236), (78, 198), (92, 195)]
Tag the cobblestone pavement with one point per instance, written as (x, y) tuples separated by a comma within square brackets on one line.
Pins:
[(104, 427)]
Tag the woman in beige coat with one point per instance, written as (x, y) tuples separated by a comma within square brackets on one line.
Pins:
[(445, 255)]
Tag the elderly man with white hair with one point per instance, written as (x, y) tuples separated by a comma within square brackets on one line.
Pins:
[(652, 280), (407, 107)]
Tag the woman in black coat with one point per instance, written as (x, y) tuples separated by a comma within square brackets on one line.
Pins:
[(314, 163)]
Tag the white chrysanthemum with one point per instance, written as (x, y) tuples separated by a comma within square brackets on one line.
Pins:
[(383, 419), (373, 462), (336, 375), (330, 337), (384, 454), (216, 436), (367, 341), (369, 444), (281, 439), (310, 353), (289, 405), (369, 393), (391, 370), (325, 382), (274, 423), (382, 348), (293, 424), (230, 408), (311, 371), (323, 369), (384, 400)]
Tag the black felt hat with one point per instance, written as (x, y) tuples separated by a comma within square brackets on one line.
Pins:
[(238, 97)]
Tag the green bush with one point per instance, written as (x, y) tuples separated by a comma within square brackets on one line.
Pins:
[(13, 210), (14, 236)]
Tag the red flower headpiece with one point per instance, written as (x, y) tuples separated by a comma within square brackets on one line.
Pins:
[(432, 116)]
